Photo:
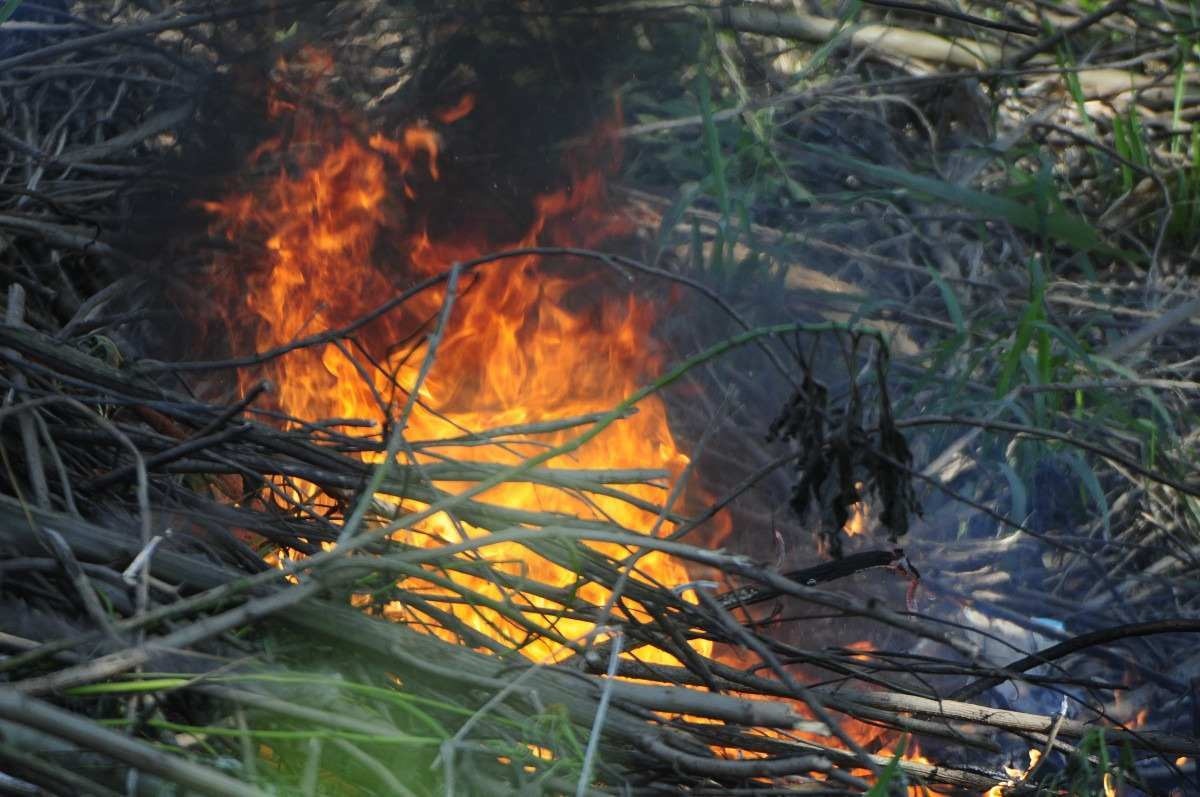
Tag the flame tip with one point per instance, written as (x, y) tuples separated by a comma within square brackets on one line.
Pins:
[(519, 349)]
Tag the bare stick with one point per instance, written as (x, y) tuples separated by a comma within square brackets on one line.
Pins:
[(33, 453), (1081, 642), (24, 710), (125, 660), (606, 692), (1062, 34)]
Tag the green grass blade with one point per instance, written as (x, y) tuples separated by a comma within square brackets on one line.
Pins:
[(712, 145), (882, 785), (8, 9), (1177, 98), (1016, 488), (670, 220), (1092, 485), (953, 308), (1060, 225), (1012, 360), (128, 687)]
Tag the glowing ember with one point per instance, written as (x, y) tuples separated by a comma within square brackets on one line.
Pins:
[(912, 754), (871, 737), (859, 515), (1015, 775), (518, 350)]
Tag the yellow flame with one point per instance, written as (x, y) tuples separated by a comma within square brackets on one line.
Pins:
[(520, 348)]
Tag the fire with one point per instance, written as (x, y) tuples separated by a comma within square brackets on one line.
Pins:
[(1016, 775), (912, 753), (520, 347), (340, 227), (876, 739), (859, 515)]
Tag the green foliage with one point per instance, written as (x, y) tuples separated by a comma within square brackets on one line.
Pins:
[(1185, 196), (283, 34), (891, 779), (8, 9), (1066, 60), (1052, 219), (734, 167), (1128, 138), (1132, 144), (1034, 312), (1091, 770), (741, 171), (547, 742)]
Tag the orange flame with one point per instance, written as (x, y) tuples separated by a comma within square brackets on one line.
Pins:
[(460, 109), (859, 515), (872, 737), (520, 347), (340, 228), (1016, 775)]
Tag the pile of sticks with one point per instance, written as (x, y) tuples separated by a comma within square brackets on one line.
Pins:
[(147, 641)]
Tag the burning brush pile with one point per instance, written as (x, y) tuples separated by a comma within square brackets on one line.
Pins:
[(364, 433)]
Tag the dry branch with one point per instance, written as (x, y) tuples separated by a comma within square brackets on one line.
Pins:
[(96, 600), (24, 710)]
